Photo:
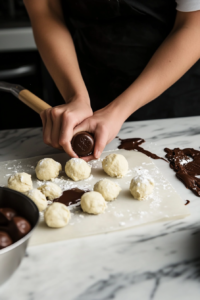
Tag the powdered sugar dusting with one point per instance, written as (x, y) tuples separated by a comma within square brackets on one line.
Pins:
[(76, 161), (125, 211), (184, 161)]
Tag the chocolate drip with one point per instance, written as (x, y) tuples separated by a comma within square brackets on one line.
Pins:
[(186, 164), (71, 197), (187, 202), (134, 144)]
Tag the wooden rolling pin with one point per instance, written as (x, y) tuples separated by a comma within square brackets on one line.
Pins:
[(82, 142), (28, 98)]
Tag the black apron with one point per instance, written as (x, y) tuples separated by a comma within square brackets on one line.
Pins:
[(115, 39)]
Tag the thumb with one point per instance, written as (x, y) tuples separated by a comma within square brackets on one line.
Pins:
[(84, 126), (101, 138)]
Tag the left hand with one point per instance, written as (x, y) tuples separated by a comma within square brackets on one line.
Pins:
[(104, 124)]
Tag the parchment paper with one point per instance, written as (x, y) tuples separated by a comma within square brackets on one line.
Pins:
[(124, 212)]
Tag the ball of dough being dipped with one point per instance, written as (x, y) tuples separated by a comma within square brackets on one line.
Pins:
[(38, 198), (93, 203), (50, 190), (141, 186), (47, 169), (20, 182), (77, 169), (115, 165), (57, 215), (108, 189)]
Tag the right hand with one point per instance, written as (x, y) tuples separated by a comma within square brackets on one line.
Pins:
[(60, 121)]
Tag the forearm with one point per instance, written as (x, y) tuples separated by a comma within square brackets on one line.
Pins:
[(177, 54), (56, 47)]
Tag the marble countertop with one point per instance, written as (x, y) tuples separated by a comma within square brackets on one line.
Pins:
[(160, 261)]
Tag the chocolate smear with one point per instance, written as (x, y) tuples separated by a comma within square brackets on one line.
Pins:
[(71, 197), (186, 164), (187, 202), (134, 144)]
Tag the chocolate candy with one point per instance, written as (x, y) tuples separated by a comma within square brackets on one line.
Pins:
[(12, 227), (6, 215), (5, 240), (83, 143), (18, 228)]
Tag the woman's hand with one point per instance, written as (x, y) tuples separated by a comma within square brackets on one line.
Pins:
[(60, 121), (105, 125)]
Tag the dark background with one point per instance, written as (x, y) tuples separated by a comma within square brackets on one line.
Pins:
[(14, 114)]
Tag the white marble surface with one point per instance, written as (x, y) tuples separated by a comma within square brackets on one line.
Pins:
[(159, 261)]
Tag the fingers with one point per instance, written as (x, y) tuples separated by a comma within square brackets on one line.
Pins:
[(88, 158), (84, 126), (56, 126), (58, 129), (101, 138), (66, 133), (47, 126), (43, 118), (59, 123)]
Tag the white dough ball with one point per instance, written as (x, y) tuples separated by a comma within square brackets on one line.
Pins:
[(108, 189), (77, 169), (20, 182), (141, 186), (57, 215), (93, 203), (38, 198), (47, 169), (50, 190), (115, 165)]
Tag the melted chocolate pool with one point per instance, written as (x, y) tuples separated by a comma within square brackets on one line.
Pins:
[(186, 164), (71, 197), (134, 144)]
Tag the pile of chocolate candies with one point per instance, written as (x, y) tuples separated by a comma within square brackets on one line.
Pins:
[(12, 227)]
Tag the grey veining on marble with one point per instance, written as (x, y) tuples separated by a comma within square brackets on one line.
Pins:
[(159, 261)]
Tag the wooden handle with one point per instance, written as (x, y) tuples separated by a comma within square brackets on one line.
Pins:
[(37, 104)]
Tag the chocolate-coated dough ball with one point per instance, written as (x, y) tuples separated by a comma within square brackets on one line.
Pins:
[(6, 215), (83, 143), (5, 240), (18, 228)]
